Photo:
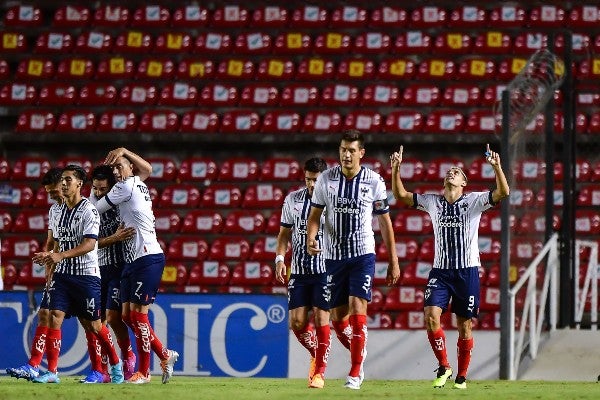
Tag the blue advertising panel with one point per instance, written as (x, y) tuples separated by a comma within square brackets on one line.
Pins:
[(215, 335)]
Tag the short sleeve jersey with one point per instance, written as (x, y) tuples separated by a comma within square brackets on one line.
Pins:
[(294, 215), (112, 255), (69, 227), (455, 227), (349, 205)]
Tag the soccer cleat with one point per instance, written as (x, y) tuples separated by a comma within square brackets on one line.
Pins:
[(139, 379), (317, 382), (311, 369), (167, 365), (352, 382), (116, 372), (460, 382), (47, 377), (443, 374), (93, 377), (24, 371), (129, 366)]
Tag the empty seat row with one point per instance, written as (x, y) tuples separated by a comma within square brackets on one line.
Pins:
[(308, 16)]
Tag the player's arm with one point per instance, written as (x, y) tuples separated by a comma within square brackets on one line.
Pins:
[(49, 245), (283, 238), (120, 235), (387, 234), (143, 167), (502, 190), (312, 229), (87, 244), (400, 193)]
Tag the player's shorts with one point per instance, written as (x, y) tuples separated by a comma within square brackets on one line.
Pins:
[(111, 287), (77, 295), (141, 278), (350, 277), (308, 290), (44, 302), (460, 285)]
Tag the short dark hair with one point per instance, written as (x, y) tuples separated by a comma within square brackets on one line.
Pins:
[(53, 176), (104, 172), (353, 135), (78, 170), (315, 164)]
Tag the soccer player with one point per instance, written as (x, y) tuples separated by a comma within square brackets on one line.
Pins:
[(75, 284), (349, 194), (455, 274), (51, 182), (144, 258), (307, 286), (111, 261)]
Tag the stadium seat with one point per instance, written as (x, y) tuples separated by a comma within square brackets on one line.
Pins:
[(492, 94), (244, 222), (530, 42), (5, 169), (363, 120), (46, 43), (111, 16), (482, 121), (348, 17), (30, 168), (252, 43), (492, 42), (521, 196), (412, 42), (75, 69), (237, 69), (178, 94), (230, 16), (404, 298), (281, 121), (212, 43), (280, 169), (583, 16), (93, 42), (481, 171), (202, 221), (372, 42), (299, 95), (507, 16), (271, 16), (263, 249), (97, 94), (31, 221), (275, 69), (240, 122), (406, 249), (427, 250), (378, 320), (309, 16), (587, 222), (57, 94), (35, 120), (174, 274), (263, 196), (31, 275), (452, 43), (489, 248), (380, 95), (273, 223), (589, 196), (388, 17), (535, 223), (438, 168), (180, 195), (459, 95), (187, 248), (197, 169), (292, 43), (209, 272), (19, 247), (218, 94), (476, 69), (190, 16), (10, 275), (34, 69), (4, 69), (490, 222), (339, 94), (509, 68), (468, 16), (321, 122), (155, 68), (222, 195), (18, 94), (166, 221), (115, 68), (404, 121), (444, 121), (355, 68), (396, 68), (251, 273), (315, 68), (150, 16), (118, 120), (138, 94), (530, 170), (195, 68), (436, 69), (377, 300), (23, 16), (412, 222), (173, 42), (82, 161), (259, 95), (410, 320), (581, 44), (158, 121), (71, 121), (71, 16), (427, 17), (163, 169), (546, 16), (40, 199), (16, 195), (229, 248), (419, 95)]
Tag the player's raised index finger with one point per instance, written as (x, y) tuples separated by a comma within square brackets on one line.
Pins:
[(487, 147), (401, 150)]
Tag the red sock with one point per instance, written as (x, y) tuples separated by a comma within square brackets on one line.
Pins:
[(125, 346), (343, 331), (157, 346), (358, 342), (142, 340), (106, 342), (38, 346), (437, 340), (464, 347), (94, 350), (306, 337), (322, 348), (53, 339)]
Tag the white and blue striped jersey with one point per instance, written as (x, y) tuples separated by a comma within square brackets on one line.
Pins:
[(69, 227), (112, 255), (455, 227), (135, 209), (349, 207), (294, 215)]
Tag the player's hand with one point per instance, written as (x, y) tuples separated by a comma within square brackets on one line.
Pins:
[(396, 159), (113, 155), (393, 273), (123, 233), (492, 157), (313, 247), (280, 271)]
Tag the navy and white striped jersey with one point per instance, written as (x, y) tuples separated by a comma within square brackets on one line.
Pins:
[(112, 255), (294, 215), (135, 208), (455, 227), (69, 227), (349, 207)]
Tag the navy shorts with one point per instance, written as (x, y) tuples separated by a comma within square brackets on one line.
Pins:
[(111, 287), (44, 301), (350, 277), (77, 295), (141, 278), (459, 285), (308, 290)]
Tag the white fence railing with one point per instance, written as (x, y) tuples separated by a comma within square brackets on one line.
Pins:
[(532, 319), (590, 283)]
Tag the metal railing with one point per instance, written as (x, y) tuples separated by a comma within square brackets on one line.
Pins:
[(591, 280)]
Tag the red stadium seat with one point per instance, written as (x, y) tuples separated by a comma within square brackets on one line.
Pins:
[(492, 94), (535, 223), (97, 94), (46, 43), (427, 250), (410, 320), (587, 222), (412, 42), (589, 196), (263, 195), (202, 221), (71, 121), (75, 69), (348, 17), (547, 16), (166, 221), (420, 95), (388, 17), (476, 69), (212, 42), (13, 42), (138, 94), (412, 222), (435, 69), (151, 16), (229, 248), (115, 68), (230, 16), (173, 42), (259, 95), (380, 276), (30, 168), (468, 16), (530, 42), (209, 273), (83, 162), (427, 17), (10, 274), (275, 69), (299, 95), (4, 69), (407, 121), (180, 195), (309, 16), (5, 169), (377, 301), (190, 16), (380, 95), (133, 42), (509, 16), (71, 16), (240, 121), (218, 94), (583, 16), (18, 94), (339, 95), (242, 221), (178, 94), (163, 169), (281, 121), (481, 171), (461, 95), (187, 248), (239, 69), (197, 169), (35, 120), (32, 275), (411, 170), (396, 68), (365, 120), (315, 69), (406, 249), (19, 247), (111, 16), (530, 170), (119, 120), (155, 68), (492, 42), (273, 223), (405, 298), (57, 94), (17, 195), (264, 249), (218, 196), (174, 274), (520, 196), (378, 320), (372, 42), (292, 43), (594, 124), (93, 42), (251, 273), (482, 121), (35, 68), (581, 44), (452, 43), (190, 69), (439, 167), (489, 299), (489, 248), (280, 169), (252, 43), (31, 221), (490, 222), (509, 68), (444, 121), (355, 68), (322, 121), (159, 121), (23, 16)]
